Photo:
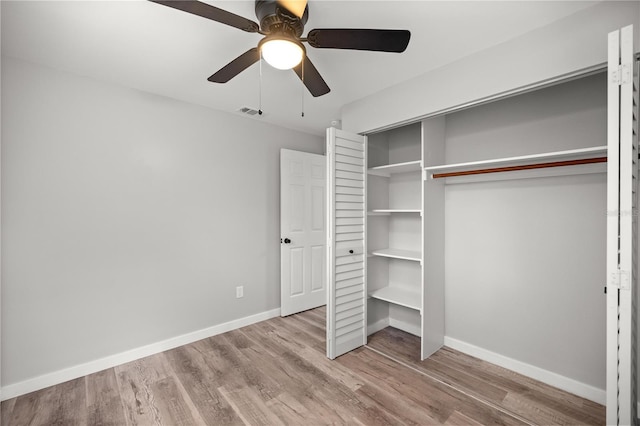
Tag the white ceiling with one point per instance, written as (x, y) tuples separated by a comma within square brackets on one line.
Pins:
[(158, 49)]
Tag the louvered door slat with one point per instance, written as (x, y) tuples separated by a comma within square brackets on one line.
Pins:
[(345, 260), (350, 198), (349, 175), (349, 314), (349, 206), (349, 321), (356, 236), (351, 160), (346, 275), (349, 183), (348, 190), (346, 305), (348, 290), (355, 145), (348, 152), (348, 267), (349, 228), (349, 213), (345, 308), (349, 282), (349, 330), (348, 167), (346, 297), (344, 221)]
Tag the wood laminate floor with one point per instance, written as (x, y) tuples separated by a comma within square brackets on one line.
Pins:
[(276, 372)]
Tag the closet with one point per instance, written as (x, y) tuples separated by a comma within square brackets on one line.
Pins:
[(507, 251), (394, 211), (519, 188)]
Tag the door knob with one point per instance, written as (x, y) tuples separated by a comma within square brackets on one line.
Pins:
[(287, 241)]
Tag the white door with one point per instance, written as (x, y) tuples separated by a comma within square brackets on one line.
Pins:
[(302, 231), (346, 245), (622, 221)]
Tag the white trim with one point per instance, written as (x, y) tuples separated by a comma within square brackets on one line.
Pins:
[(553, 379), (377, 326), (410, 328), (61, 376)]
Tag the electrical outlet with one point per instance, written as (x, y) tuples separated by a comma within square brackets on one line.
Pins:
[(239, 292)]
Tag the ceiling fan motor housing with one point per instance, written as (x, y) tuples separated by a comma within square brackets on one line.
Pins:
[(276, 19)]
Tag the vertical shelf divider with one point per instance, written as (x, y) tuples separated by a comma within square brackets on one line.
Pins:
[(433, 153)]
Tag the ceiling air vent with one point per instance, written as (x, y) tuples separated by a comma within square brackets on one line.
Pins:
[(249, 111)]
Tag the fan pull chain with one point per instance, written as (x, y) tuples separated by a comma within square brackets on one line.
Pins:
[(302, 101), (260, 87)]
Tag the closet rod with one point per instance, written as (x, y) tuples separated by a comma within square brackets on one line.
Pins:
[(521, 167)]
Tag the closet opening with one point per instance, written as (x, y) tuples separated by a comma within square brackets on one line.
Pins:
[(485, 235)]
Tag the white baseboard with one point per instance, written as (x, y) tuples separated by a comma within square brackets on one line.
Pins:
[(406, 326), (377, 326), (61, 376), (553, 379), (390, 322)]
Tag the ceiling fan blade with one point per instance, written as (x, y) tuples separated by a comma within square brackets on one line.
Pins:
[(360, 39), (236, 66), (211, 12), (311, 78), (296, 7)]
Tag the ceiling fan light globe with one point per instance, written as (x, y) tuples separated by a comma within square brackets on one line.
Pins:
[(282, 54)]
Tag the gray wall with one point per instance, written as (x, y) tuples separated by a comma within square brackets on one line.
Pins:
[(525, 258), (128, 218)]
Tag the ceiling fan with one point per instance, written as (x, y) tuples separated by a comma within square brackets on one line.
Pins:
[(282, 24)]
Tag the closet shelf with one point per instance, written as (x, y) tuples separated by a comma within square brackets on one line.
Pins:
[(389, 169), (387, 212), (414, 256), (400, 296), (573, 154)]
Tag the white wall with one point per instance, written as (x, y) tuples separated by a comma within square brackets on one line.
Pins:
[(525, 259), (128, 218), (566, 46)]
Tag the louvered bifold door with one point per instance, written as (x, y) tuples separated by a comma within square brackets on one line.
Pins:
[(622, 236), (346, 247)]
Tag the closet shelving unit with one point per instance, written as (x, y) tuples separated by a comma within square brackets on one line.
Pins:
[(394, 226)]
